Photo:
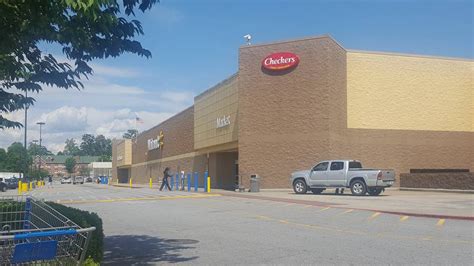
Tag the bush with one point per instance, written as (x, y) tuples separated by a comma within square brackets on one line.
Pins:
[(86, 219)]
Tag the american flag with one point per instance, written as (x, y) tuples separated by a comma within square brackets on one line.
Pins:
[(138, 119)]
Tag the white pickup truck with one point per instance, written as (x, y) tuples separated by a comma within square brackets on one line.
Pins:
[(342, 174)]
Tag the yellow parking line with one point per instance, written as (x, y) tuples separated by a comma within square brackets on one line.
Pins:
[(286, 205), (138, 199), (404, 218), (283, 221), (441, 222), (307, 206), (327, 208), (373, 216), (348, 211)]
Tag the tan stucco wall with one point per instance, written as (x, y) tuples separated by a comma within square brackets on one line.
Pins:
[(219, 101), (390, 91), (124, 151)]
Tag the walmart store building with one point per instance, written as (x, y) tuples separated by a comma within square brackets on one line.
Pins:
[(294, 103)]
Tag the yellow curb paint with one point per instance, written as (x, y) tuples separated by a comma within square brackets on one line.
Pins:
[(151, 183), (373, 216), (404, 218), (441, 222)]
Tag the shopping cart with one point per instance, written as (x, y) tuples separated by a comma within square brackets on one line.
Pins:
[(31, 232)]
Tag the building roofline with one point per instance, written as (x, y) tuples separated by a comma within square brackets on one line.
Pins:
[(324, 36), (410, 55), (166, 120), (221, 83)]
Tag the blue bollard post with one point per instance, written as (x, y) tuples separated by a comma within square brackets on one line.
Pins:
[(189, 182), (196, 183), (177, 181), (205, 178), (171, 182)]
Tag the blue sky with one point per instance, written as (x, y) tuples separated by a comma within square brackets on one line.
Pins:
[(195, 45)]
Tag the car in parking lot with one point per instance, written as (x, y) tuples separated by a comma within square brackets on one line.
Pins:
[(66, 180), (12, 183), (342, 174), (78, 180), (3, 185)]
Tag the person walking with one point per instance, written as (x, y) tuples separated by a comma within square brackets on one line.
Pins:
[(166, 175), (50, 181)]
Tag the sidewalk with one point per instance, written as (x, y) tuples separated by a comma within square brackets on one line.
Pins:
[(411, 203)]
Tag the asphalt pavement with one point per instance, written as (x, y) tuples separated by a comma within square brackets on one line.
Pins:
[(145, 226)]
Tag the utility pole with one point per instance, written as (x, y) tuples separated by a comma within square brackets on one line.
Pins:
[(40, 151)]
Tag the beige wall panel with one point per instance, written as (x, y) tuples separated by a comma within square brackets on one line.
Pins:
[(386, 91), (217, 102)]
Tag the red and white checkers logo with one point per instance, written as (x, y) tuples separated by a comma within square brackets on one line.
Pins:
[(280, 61)]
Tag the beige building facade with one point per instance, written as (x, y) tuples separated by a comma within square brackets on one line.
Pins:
[(294, 103)]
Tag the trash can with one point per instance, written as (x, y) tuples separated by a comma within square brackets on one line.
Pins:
[(254, 183)]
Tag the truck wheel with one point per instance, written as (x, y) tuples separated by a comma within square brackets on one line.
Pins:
[(4, 189), (317, 190), (374, 191), (300, 187), (358, 188)]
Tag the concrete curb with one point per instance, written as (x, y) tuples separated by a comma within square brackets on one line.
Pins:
[(334, 205), (441, 190)]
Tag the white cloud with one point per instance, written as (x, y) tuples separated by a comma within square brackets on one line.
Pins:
[(108, 71), (102, 107), (65, 119)]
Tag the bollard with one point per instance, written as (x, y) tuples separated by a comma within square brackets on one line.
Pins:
[(31, 186), (177, 181), (19, 187), (130, 182), (189, 182), (208, 184), (196, 183), (204, 181), (151, 183)]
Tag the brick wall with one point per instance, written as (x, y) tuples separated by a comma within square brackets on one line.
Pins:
[(464, 181)]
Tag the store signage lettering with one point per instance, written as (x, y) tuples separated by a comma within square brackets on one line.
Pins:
[(156, 143), (223, 121), (280, 61)]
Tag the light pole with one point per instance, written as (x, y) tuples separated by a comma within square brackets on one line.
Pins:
[(40, 152), (35, 156)]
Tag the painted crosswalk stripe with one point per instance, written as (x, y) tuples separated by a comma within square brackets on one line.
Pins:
[(441, 222), (373, 216), (404, 218)]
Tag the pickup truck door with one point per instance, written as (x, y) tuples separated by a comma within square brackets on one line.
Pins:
[(336, 176), (318, 176)]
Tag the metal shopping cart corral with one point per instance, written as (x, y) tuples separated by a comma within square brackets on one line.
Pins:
[(31, 232)]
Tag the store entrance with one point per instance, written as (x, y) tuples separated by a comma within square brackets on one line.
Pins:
[(123, 175), (224, 169)]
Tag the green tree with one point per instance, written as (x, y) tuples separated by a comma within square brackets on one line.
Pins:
[(35, 149), (88, 146), (70, 165), (84, 29), (17, 158), (105, 158), (130, 134), (71, 148), (3, 160), (103, 146)]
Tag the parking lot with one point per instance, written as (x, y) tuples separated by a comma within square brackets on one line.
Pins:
[(145, 226)]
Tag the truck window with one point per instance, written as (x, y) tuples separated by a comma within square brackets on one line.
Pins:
[(321, 167), (336, 166), (354, 165)]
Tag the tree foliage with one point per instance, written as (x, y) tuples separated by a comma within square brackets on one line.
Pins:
[(130, 134), (84, 29), (70, 165)]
